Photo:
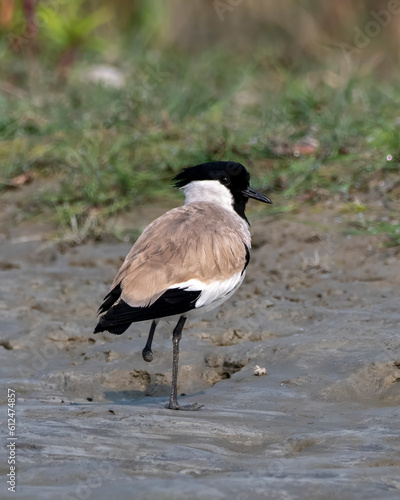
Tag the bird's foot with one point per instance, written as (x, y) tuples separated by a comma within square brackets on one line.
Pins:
[(147, 355), (175, 406)]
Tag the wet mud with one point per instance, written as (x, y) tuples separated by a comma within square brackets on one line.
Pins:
[(318, 310)]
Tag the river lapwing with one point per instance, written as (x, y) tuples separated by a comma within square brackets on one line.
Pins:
[(191, 259)]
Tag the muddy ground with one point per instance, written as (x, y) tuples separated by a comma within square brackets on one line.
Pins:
[(319, 310)]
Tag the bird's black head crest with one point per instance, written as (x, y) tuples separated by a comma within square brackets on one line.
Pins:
[(230, 174)]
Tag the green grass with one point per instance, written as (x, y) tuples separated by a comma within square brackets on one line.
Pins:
[(391, 230), (388, 228), (106, 150)]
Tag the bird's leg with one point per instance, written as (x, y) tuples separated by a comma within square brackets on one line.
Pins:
[(147, 353), (173, 400)]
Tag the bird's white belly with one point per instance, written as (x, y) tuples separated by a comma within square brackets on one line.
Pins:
[(221, 298), (212, 294)]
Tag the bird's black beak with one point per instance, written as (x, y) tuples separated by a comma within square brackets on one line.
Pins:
[(251, 193)]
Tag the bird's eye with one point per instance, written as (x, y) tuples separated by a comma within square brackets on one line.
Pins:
[(224, 180)]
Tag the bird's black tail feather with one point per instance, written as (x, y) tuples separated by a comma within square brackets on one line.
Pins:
[(106, 326), (172, 302)]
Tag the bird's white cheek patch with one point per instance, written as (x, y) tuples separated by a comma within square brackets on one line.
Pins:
[(214, 291)]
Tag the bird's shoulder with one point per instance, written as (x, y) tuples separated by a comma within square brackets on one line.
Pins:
[(191, 225)]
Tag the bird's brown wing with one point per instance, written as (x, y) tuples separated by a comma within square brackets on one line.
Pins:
[(189, 242)]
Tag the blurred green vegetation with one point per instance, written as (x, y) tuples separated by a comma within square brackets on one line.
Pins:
[(102, 103)]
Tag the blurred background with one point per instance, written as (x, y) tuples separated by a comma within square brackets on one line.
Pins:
[(103, 102)]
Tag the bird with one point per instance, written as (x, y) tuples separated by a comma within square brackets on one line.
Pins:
[(188, 261)]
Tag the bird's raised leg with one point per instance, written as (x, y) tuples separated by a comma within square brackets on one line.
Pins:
[(147, 353), (173, 400)]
